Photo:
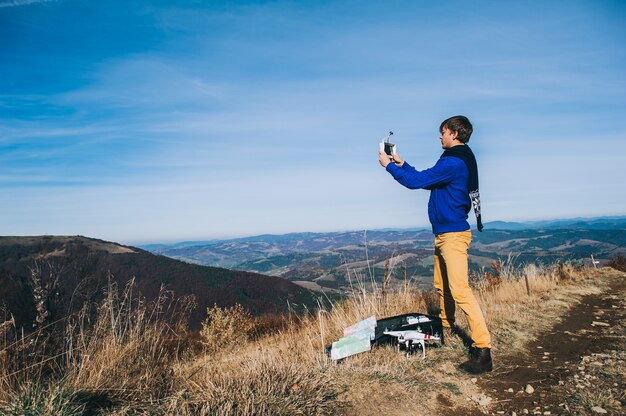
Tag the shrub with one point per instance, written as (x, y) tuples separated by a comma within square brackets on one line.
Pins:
[(618, 263), (225, 327)]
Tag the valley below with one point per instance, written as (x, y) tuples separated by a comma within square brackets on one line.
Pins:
[(340, 261)]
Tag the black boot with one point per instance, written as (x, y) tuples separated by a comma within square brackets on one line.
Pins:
[(479, 362)]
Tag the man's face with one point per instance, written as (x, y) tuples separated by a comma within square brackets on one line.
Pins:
[(448, 138)]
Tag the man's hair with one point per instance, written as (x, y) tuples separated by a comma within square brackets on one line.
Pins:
[(459, 124)]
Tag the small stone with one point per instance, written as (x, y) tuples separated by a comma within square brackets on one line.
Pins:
[(546, 353), (598, 323), (529, 389), (513, 414), (510, 390), (525, 411), (474, 380), (598, 409), (547, 413), (500, 412), (597, 363), (484, 401), (540, 347)]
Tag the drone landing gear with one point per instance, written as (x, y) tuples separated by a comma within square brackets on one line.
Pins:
[(410, 347)]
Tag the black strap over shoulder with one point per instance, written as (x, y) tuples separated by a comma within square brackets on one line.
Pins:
[(466, 155)]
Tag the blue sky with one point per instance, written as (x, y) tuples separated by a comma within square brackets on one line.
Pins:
[(145, 121)]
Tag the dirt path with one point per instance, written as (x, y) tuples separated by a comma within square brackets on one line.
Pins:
[(578, 367)]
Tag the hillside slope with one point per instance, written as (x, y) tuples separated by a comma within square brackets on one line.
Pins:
[(130, 366), (62, 273)]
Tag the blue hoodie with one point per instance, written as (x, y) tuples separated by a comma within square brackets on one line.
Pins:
[(447, 181)]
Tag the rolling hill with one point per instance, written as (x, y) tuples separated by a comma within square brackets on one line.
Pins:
[(60, 274), (332, 261)]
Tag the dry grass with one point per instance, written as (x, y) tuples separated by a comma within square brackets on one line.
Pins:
[(128, 360), (124, 355), (128, 350)]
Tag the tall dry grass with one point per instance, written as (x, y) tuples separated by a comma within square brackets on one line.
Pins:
[(126, 354), (122, 352), (124, 358), (523, 299)]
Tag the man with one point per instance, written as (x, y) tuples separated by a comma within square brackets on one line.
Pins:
[(453, 185)]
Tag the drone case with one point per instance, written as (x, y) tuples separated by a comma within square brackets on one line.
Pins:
[(408, 322)]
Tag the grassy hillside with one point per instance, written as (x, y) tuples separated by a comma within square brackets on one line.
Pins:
[(130, 363)]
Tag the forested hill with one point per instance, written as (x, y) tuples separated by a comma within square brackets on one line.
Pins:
[(62, 273)]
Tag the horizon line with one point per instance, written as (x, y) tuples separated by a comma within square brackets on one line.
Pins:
[(414, 228)]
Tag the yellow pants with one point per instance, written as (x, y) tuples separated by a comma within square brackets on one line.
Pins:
[(452, 285)]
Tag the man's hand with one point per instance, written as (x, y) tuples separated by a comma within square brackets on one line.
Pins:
[(396, 159), (383, 158)]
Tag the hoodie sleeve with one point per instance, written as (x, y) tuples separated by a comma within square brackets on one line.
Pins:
[(441, 174)]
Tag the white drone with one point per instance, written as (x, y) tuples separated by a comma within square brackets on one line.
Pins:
[(412, 339)]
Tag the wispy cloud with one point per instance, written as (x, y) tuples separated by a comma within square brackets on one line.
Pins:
[(17, 3)]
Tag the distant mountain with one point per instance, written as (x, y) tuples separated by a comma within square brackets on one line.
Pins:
[(596, 223), (318, 261), (65, 272), (547, 245), (232, 253), (504, 225), (334, 261)]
